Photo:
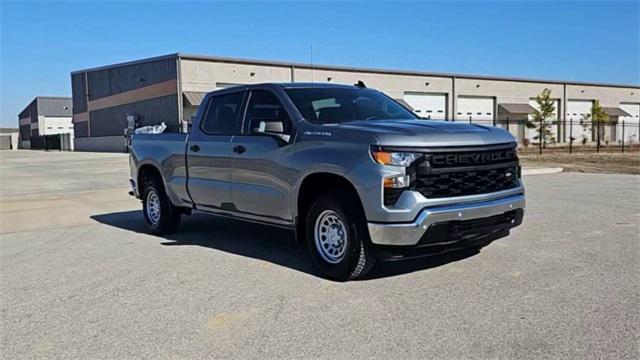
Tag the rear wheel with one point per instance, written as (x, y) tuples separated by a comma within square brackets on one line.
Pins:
[(337, 236), (160, 216)]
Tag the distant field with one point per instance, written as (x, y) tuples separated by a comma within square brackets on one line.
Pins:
[(588, 162)]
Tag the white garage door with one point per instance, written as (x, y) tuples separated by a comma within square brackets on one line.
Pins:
[(428, 106), (632, 123), (478, 109), (531, 132), (577, 111)]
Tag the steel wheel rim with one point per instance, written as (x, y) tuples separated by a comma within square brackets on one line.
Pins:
[(330, 236), (153, 208)]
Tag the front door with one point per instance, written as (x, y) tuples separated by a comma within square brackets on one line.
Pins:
[(261, 164), (209, 149)]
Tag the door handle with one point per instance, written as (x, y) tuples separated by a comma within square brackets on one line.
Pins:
[(195, 148), (239, 149)]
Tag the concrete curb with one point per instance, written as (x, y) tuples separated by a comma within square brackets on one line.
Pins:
[(541, 171)]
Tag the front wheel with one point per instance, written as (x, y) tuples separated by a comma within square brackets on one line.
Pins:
[(337, 236)]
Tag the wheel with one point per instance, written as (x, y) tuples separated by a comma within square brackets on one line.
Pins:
[(160, 216), (337, 236)]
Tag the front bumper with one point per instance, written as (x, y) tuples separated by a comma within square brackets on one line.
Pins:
[(408, 234)]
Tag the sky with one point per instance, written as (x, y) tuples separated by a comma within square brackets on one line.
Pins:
[(42, 42)]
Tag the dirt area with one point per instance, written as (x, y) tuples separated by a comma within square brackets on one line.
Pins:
[(621, 163)]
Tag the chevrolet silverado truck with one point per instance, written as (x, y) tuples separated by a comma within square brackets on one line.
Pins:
[(354, 173)]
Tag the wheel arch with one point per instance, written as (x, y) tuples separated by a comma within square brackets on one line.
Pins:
[(145, 172), (311, 187)]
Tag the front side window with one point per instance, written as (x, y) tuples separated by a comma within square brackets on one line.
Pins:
[(338, 105), (265, 106), (223, 115)]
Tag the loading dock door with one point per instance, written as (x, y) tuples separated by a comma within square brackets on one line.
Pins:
[(479, 109), (428, 106), (577, 111), (632, 123)]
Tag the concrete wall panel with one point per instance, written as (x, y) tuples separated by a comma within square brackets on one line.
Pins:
[(204, 75), (101, 144)]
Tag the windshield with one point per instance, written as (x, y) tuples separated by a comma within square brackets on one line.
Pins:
[(338, 105)]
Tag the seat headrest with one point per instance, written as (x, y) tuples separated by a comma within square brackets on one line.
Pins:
[(330, 115), (227, 114)]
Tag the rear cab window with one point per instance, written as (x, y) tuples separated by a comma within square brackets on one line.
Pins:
[(223, 115)]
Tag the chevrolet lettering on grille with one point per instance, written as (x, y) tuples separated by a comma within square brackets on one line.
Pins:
[(472, 159)]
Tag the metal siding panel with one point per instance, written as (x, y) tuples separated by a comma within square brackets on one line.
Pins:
[(139, 75), (99, 84), (81, 129), (116, 80), (112, 121), (78, 92), (55, 106), (25, 132), (24, 113), (33, 111)]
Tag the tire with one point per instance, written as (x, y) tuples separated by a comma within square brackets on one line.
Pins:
[(160, 216), (348, 253)]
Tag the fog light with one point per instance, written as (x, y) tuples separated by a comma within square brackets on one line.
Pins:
[(397, 182)]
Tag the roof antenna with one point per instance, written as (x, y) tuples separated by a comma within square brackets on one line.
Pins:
[(360, 84), (311, 48)]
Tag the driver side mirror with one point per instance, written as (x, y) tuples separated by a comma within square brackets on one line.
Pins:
[(270, 127)]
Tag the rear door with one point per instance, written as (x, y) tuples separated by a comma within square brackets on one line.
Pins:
[(261, 166), (209, 149)]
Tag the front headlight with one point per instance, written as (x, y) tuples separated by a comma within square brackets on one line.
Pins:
[(394, 158)]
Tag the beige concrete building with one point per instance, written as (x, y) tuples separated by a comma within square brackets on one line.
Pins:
[(9, 138), (169, 89)]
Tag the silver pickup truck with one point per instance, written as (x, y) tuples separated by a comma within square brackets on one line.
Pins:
[(356, 175)]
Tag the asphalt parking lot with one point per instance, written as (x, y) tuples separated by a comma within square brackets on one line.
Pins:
[(80, 278)]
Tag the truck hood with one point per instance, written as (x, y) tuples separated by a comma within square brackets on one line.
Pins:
[(430, 133)]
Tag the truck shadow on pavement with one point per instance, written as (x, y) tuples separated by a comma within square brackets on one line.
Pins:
[(262, 242)]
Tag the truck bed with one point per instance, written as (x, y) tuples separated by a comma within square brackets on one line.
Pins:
[(167, 152)]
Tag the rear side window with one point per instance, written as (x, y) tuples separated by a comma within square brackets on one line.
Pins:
[(223, 115), (264, 105)]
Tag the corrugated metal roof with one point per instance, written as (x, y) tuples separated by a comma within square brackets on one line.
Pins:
[(614, 111), (194, 98), (515, 109), (349, 68)]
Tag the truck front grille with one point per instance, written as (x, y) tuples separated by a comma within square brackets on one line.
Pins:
[(471, 182), (467, 172)]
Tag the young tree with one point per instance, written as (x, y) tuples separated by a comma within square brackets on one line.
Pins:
[(542, 118), (595, 122)]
